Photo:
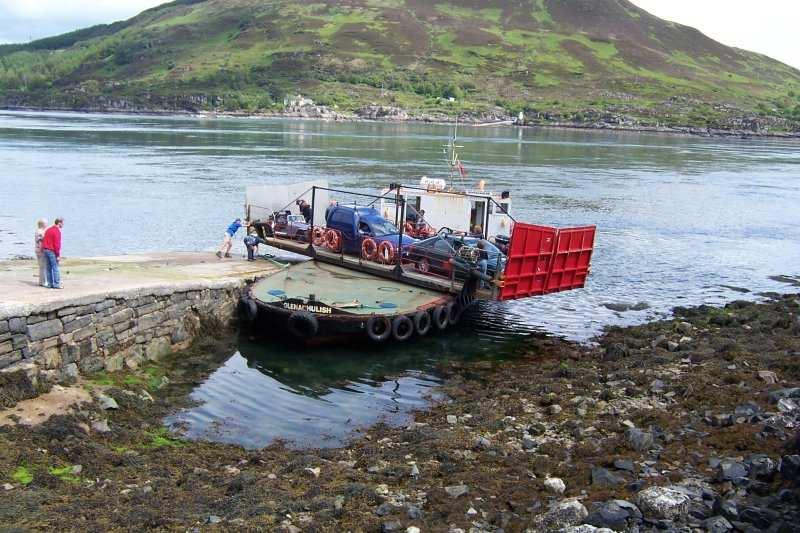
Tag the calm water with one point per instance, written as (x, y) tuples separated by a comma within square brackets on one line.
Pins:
[(320, 398), (681, 220)]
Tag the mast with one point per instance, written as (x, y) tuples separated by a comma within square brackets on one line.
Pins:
[(451, 156)]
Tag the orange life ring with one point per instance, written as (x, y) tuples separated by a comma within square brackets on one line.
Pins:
[(408, 228), (386, 253), (318, 236), (369, 249), (333, 240)]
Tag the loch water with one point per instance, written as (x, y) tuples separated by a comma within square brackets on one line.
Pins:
[(681, 221)]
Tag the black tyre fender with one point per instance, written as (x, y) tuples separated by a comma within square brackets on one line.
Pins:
[(440, 317), (453, 313), (248, 309), (402, 328), (422, 322), (463, 301), (303, 325), (379, 328)]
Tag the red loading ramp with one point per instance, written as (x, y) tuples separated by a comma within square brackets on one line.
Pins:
[(542, 260)]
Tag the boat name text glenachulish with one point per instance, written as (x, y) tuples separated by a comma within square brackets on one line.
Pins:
[(306, 307)]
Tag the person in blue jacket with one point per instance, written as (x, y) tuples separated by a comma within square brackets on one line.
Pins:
[(228, 240)]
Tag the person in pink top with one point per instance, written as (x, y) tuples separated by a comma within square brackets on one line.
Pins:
[(41, 226), (51, 247)]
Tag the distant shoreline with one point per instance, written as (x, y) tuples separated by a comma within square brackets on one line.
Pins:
[(684, 131)]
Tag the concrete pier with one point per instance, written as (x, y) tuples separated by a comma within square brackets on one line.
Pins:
[(114, 311)]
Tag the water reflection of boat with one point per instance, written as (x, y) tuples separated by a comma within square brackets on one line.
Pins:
[(334, 368), (337, 367)]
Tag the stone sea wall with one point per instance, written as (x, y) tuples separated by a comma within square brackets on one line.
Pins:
[(57, 342)]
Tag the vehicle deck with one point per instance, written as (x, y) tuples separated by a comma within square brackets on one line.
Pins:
[(344, 289), (408, 275)]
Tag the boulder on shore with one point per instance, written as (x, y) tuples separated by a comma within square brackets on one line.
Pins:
[(663, 502)]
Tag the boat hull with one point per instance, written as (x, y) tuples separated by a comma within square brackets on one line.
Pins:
[(316, 303)]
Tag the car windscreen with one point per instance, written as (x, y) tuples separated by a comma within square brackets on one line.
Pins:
[(381, 228)]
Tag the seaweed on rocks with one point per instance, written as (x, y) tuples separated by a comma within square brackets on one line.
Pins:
[(679, 424)]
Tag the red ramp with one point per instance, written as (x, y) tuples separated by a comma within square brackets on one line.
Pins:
[(542, 260)]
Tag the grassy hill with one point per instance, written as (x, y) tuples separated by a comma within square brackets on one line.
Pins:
[(574, 60)]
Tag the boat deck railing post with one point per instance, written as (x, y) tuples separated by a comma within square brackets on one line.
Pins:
[(312, 252), (486, 218), (401, 206)]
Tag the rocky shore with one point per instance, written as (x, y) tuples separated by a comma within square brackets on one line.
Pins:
[(741, 127), (681, 425)]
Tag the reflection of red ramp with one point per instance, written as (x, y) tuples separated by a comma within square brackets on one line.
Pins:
[(542, 260)]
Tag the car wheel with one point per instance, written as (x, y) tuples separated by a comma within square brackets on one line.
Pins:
[(424, 266)]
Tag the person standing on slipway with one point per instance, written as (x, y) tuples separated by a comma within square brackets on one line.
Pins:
[(51, 248), (41, 227)]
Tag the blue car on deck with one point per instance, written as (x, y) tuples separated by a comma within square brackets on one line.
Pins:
[(357, 223)]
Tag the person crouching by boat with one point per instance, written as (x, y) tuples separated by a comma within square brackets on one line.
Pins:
[(227, 242), (41, 227), (51, 248), (251, 241)]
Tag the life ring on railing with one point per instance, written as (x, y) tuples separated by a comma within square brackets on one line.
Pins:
[(248, 309), (303, 325), (369, 249), (386, 253), (402, 328), (333, 241), (440, 319), (422, 322), (318, 236), (379, 328), (453, 313)]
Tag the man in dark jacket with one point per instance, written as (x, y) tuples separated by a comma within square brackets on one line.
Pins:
[(305, 210)]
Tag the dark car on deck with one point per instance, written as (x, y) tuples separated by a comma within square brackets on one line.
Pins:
[(443, 252), (289, 226)]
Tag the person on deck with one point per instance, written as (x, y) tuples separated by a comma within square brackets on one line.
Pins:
[(227, 242), (305, 210), (412, 215), (421, 223), (331, 205), (483, 260), (41, 227), (51, 248)]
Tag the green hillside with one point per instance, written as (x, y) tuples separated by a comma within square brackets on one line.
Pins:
[(579, 60)]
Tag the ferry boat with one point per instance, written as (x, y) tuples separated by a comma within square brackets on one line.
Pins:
[(389, 291)]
